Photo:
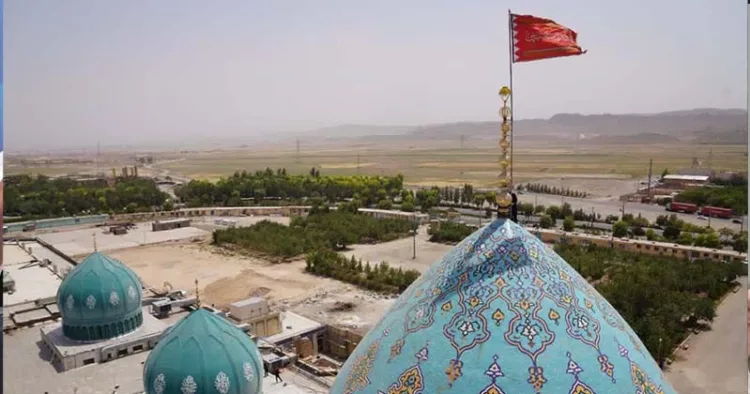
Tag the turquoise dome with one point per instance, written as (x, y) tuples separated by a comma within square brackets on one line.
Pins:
[(501, 313), (99, 299), (203, 353)]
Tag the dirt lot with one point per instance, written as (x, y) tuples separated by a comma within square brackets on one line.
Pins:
[(225, 277)]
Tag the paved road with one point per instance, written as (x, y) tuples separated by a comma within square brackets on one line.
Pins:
[(717, 360)]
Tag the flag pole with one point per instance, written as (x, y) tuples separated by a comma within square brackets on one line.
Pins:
[(512, 105)]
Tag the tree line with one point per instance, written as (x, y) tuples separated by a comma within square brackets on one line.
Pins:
[(733, 197), (260, 185), (44, 197), (381, 278), (322, 230), (554, 190), (448, 232), (674, 296)]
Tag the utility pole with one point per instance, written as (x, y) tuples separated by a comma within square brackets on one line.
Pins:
[(623, 209), (414, 244), (710, 158), (650, 168), (592, 217), (98, 154)]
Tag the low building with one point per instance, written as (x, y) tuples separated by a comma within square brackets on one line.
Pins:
[(258, 315), (421, 218), (640, 246), (684, 181), (170, 224)]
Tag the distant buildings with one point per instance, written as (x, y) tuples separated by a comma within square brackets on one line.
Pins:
[(685, 181)]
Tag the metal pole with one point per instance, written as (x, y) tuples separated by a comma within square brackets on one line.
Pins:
[(512, 92), (414, 245)]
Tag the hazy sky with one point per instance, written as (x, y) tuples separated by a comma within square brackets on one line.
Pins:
[(174, 70)]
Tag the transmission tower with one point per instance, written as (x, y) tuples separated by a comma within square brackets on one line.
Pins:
[(650, 169), (98, 155), (463, 140)]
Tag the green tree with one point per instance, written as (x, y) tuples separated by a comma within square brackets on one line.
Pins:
[(569, 224), (385, 204), (545, 221), (620, 229)]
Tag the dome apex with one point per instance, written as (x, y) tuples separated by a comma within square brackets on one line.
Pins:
[(501, 313)]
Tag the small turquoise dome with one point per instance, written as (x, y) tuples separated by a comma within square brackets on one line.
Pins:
[(203, 353), (501, 313), (99, 299)]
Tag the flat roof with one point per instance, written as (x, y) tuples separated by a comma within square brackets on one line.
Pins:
[(32, 283), (180, 220), (293, 325), (249, 301), (150, 326), (32, 372), (81, 242), (642, 242), (14, 254), (686, 177), (391, 212)]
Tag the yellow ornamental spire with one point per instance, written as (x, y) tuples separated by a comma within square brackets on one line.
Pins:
[(504, 199), (197, 294)]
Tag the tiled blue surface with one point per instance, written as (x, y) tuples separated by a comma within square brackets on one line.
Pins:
[(501, 313), (203, 354)]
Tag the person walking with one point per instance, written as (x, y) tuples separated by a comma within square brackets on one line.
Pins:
[(277, 375)]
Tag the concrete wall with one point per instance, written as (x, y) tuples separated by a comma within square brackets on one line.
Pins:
[(267, 325), (340, 342), (212, 211), (641, 246)]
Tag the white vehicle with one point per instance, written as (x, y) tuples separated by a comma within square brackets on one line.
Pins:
[(701, 217)]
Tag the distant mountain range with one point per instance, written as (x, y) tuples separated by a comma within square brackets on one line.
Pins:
[(705, 125)]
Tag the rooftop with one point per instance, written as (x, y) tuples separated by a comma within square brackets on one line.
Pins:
[(81, 242), (151, 326), (246, 302), (396, 213), (293, 325), (33, 282), (702, 178), (32, 372)]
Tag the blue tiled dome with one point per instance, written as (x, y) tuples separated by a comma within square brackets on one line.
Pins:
[(99, 299), (501, 313), (203, 353)]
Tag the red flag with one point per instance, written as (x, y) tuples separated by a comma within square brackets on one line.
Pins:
[(538, 38)]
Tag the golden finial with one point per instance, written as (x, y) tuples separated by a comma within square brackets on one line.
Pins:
[(197, 294), (503, 198), (94, 236)]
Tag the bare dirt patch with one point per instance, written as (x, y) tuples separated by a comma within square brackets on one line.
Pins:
[(225, 277)]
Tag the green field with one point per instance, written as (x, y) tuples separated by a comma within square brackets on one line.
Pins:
[(446, 166), (478, 166)]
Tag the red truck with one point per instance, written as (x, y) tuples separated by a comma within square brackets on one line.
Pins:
[(716, 212), (682, 207)]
